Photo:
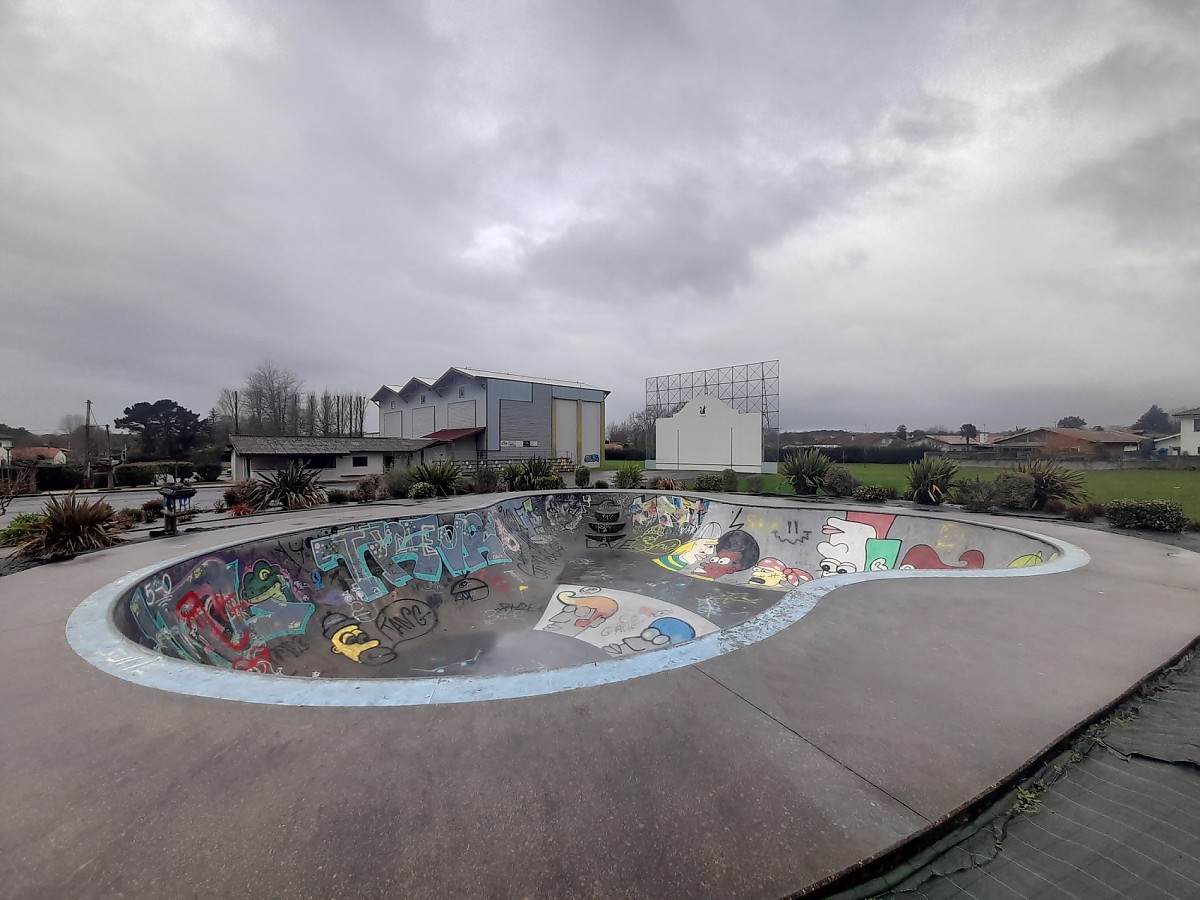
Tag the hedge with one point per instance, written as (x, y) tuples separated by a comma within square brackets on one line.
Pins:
[(1152, 515), (624, 455), (59, 478), (139, 473)]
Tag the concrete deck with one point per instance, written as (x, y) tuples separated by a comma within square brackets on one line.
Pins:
[(756, 774)]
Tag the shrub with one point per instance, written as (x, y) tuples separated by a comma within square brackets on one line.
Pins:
[(1055, 506), (21, 527), (58, 478), (624, 455), (136, 474), (549, 483), (209, 471), (1080, 513), (487, 481), (366, 489), (242, 509), (1192, 525), (421, 490), (729, 481), (1151, 515), (629, 476), (930, 479), (805, 471), (754, 484), (396, 482), (838, 482), (583, 476), (69, 526), (600, 484), (239, 492), (512, 475), (1097, 509), (443, 476), (1053, 481), (974, 494), (219, 507), (709, 483), (152, 510), (1013, 490), (292, 487), (871, 493), (663, 483), (337, 495), (133, 515)]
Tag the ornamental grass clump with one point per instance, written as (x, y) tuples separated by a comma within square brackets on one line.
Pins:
[(292, 487), (22, 527), (805, 471), (443, 476), (629, 476), (1053, 481), (930, 480), (69, 526)]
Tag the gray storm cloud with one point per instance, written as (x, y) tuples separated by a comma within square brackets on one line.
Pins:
[(931, 212)]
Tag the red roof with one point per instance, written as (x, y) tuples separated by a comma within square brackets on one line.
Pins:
[(36, 453), (452, 434)]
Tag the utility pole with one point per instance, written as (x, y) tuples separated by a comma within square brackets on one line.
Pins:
[(87, 445), (108, 455)]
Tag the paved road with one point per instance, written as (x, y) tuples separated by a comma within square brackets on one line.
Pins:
[(204, 499)]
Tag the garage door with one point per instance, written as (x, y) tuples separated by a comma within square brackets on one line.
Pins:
[(423, 421), (461, 414)]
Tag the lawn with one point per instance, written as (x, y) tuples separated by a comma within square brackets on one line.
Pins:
[(1180, 485)]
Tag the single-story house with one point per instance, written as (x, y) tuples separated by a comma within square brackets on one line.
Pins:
[(496, 416), (41, 456), (1068, 441), (337, 458), (951, 443), (1189, 431)]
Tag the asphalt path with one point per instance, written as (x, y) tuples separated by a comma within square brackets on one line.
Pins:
[(32, 503)]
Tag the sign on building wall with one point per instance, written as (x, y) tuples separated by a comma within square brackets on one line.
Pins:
[(517, 445)]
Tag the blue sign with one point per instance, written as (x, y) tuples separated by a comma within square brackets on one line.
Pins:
[(592, 457)]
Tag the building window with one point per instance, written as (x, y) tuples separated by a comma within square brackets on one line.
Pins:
[(462, 392), (1196, 424), (422, 398), (359, 462), (324, 461), (393, 404)]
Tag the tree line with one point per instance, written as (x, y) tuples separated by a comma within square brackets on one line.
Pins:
[(273, 401)]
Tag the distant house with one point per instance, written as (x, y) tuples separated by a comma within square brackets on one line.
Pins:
[(1068, 442), (951, 443), (497, 415), (338, 459), (41, 456), (1189, 431), (5, 450)]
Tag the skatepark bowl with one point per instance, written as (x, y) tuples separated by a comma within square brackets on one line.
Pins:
[(528, 595)]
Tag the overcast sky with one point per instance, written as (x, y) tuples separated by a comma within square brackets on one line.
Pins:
[(931, 213)]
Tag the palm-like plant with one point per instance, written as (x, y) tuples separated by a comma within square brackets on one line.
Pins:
[(442, 476), (629, 476), (805, 471), (71, 525), (929, 480), (1053, 481), (512, 475), (292, 487)]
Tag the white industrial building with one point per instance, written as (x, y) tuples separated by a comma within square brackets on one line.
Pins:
[(490, 416)]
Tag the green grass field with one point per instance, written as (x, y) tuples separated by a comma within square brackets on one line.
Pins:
[(1178, 485)]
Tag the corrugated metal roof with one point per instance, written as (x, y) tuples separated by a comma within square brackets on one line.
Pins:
[(317, 446), (1188, 412), (534, 379)]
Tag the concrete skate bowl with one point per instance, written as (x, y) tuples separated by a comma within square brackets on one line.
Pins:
[(527, 595)]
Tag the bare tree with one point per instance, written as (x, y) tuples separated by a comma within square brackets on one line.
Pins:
[(15, 479)]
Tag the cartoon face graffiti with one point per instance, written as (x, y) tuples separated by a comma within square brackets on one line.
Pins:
[(348, 639), (265, 582), (736, 551), (688, 555), (771, 572), (582, 609), (658, 634), (856, 544)]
